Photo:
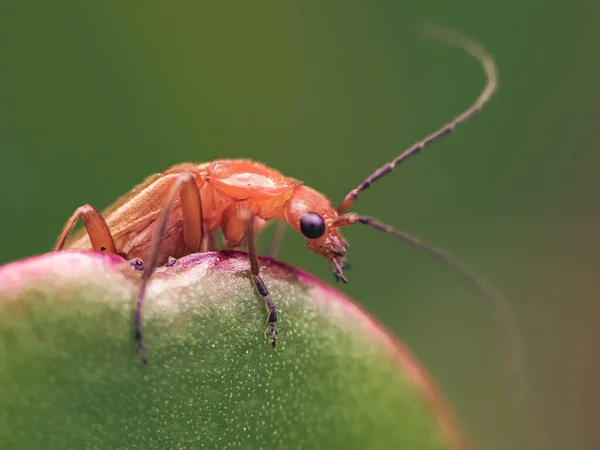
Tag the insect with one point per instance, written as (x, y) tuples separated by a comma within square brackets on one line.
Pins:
[(180, 211)]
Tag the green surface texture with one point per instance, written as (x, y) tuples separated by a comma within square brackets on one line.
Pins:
[(70, 378)]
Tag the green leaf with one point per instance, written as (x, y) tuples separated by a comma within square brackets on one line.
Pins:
[(70, 378)]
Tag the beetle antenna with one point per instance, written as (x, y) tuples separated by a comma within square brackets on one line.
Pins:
[(487, 62), (500, 310)]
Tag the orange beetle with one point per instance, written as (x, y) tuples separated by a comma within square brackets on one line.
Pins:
[(180, 211)]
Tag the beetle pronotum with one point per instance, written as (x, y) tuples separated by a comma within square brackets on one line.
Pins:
[(180, 211)]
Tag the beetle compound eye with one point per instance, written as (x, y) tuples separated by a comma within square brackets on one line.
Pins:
[(312, 225)]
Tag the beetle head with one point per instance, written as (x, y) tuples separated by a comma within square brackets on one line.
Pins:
[(311, 214)]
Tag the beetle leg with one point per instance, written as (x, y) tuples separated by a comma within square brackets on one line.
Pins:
[(96, 228), (260, 285), (280, 229), (185, 188), (137, 264), (211, 242)]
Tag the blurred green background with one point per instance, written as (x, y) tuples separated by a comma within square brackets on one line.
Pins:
[(96, 96)]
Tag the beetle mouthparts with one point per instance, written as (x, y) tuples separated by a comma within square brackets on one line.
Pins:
[(339, 264)]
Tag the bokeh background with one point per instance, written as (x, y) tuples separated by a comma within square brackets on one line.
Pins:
[(95, 96)]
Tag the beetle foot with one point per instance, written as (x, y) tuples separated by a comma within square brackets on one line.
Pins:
[(171, 261), (137, 264), (271, 332)]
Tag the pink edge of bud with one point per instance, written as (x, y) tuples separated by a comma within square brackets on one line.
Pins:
[(14, 276)]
